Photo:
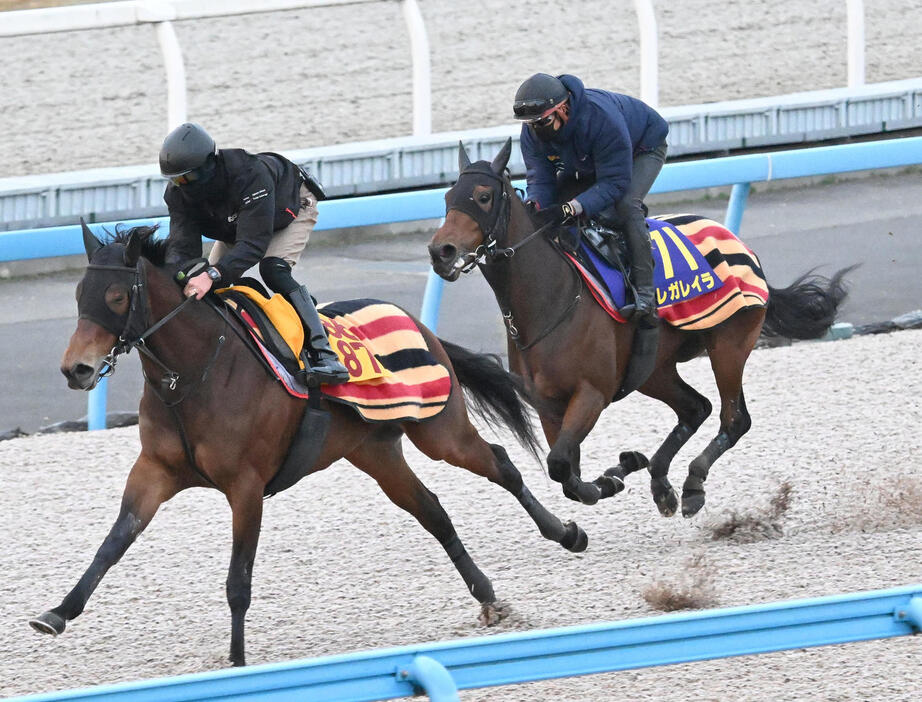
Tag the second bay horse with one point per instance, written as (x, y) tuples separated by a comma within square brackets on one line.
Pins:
[(573, 355)]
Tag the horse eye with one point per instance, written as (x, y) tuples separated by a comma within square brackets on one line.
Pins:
[(485, 197), (117, 299)]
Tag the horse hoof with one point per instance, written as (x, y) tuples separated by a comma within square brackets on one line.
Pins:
[(590, 495), (609, 485), (49, 623), (492, 613), (575, 540), (692, 502), (664, 497), (632, 461)]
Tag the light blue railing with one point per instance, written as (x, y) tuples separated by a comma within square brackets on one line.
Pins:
[(738, 171), (441, 669)]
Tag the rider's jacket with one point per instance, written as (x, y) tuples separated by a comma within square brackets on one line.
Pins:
[(250, 197), (604, 132)]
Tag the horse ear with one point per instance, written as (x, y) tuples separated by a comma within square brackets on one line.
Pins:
[(132, 249), (90, 242), (463, 159), (502, 158)]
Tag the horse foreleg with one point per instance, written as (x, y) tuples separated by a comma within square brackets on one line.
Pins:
[(383, 460), (148, 486), (246, 502), (565, 437)]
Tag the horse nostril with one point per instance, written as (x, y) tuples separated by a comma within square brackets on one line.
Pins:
[(445, 253), (79, 372)]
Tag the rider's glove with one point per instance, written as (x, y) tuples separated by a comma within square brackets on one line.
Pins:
[(190, 269), (557, 213)]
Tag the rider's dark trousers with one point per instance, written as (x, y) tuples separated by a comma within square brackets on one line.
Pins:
[(628, 214)]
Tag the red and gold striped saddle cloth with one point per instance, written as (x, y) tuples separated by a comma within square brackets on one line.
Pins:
[(393, 375)]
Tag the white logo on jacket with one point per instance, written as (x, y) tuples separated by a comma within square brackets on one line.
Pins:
[(253, 197)]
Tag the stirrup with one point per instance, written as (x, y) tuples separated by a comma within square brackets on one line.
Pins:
[(312, 377), (634, 315), (319, 372)]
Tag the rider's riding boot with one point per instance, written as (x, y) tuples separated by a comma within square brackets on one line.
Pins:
[(638, 244), (324, 366)]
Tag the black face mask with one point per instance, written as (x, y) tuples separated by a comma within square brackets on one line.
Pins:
[(207, 185), (545, 133)]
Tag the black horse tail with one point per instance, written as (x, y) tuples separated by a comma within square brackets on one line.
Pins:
[(496, 395), (807, 307)]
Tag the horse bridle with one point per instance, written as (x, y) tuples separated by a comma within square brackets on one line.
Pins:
[(138, 318), (496, 223), (492, 223)]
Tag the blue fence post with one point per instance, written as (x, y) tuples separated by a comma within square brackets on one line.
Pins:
[(738, 196), (432, 298), (432, 301), (432, 677), (96, 406)]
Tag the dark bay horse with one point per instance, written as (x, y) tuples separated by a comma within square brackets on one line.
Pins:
[(573, 355), (211, 416)]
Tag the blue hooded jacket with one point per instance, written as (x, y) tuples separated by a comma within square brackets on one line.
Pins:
[(604, 132)]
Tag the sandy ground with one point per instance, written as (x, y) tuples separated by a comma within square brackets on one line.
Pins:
[(341, 569), (287, 80)]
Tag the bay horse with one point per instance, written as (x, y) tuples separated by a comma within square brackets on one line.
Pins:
[(219, 420), (573, 355)]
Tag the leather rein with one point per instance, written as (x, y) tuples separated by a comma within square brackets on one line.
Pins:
[(490, 252)]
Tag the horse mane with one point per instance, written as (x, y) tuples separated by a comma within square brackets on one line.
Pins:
[(152, 247)]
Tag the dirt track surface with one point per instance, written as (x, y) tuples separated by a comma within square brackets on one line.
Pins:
[(288, 80), (340, 569)]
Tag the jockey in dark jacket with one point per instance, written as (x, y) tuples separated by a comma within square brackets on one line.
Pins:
[(260, 208), (594, 153)]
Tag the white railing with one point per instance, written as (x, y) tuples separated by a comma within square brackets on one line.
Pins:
[(162, 12)]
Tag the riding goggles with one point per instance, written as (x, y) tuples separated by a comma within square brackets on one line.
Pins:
[(186, 178), (544, 121)]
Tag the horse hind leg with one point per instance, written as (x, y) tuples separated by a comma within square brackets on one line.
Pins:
[(728, 350), (691, 408), (569, 534), (729, 434), (467, 449), (383, 460)]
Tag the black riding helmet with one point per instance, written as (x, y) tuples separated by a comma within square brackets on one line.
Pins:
[(537, 95), (185, 149)]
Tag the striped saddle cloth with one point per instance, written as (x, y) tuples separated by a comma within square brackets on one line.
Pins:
[(703, 273), (393, 375)]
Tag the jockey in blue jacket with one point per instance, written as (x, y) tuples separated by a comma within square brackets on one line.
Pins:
[(594, 153)]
